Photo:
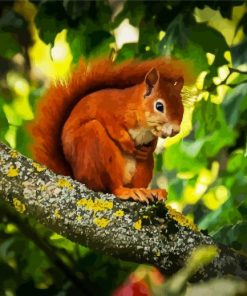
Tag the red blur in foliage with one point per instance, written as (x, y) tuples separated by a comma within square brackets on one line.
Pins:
[(137, 288), (136, 284)]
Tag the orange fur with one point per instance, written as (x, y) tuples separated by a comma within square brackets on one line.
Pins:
[(83, 126)]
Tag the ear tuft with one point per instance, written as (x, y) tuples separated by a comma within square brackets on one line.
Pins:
[(151, 79)]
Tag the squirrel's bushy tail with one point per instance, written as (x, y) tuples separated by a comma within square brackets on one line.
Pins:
[(56, 105)]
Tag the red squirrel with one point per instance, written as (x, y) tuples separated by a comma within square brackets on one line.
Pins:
[(101, 126)]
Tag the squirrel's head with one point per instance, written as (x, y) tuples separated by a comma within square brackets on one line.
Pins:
[(162, 104)]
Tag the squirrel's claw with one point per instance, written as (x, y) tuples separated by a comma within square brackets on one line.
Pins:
[(140, 194)]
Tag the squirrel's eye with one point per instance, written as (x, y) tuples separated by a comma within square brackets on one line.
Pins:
[(159, 107)]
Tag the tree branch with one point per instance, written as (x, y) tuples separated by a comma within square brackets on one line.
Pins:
[(152, 234)]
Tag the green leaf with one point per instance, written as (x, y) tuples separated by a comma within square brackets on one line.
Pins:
[(23, 140), (236, 161), (201, 34), (102, 12), (4, 125), (225, 215), (128, 51), (51, 19), (5, 249), (78, 42), (180, 157), (148, 38), (162, 13), (239, 53), (11, 21), (243, 209), (176, 187), (211, 125), (243, 23), (233, 235), (76, 9), (188, 40), (180, 43), (234, 103), (9, 278), (100, 43), (132, 10), (6, 50), (89, 43)]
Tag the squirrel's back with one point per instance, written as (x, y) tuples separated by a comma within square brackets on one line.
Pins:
[(57, 104)]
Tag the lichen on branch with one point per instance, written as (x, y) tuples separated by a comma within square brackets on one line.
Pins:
[(152, 234)]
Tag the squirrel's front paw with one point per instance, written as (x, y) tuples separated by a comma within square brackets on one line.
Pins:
[(160, 194), (142, 153)]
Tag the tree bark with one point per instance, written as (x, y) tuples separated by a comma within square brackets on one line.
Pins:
[(152, 234)]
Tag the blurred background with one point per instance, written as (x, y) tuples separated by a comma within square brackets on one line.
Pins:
[(204, 168)]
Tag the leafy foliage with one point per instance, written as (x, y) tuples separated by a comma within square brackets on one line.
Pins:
[(206, 171)]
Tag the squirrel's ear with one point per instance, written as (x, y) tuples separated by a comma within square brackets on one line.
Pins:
[(151, 79), (178, 84)]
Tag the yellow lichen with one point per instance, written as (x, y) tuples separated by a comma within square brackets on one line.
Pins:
[(101, 222), (138, 224), (183, 221), (119, 213), (78, 218), (19, 206), (13, 154), (42, 188), (39, 168), (64, 183), (95, 205), (13, 172), (57, 214)]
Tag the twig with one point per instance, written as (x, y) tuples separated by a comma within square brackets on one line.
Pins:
[(234, 70), (232, 85), (213, 86)]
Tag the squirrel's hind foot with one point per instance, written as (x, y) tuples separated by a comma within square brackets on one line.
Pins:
[(140, 194)]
